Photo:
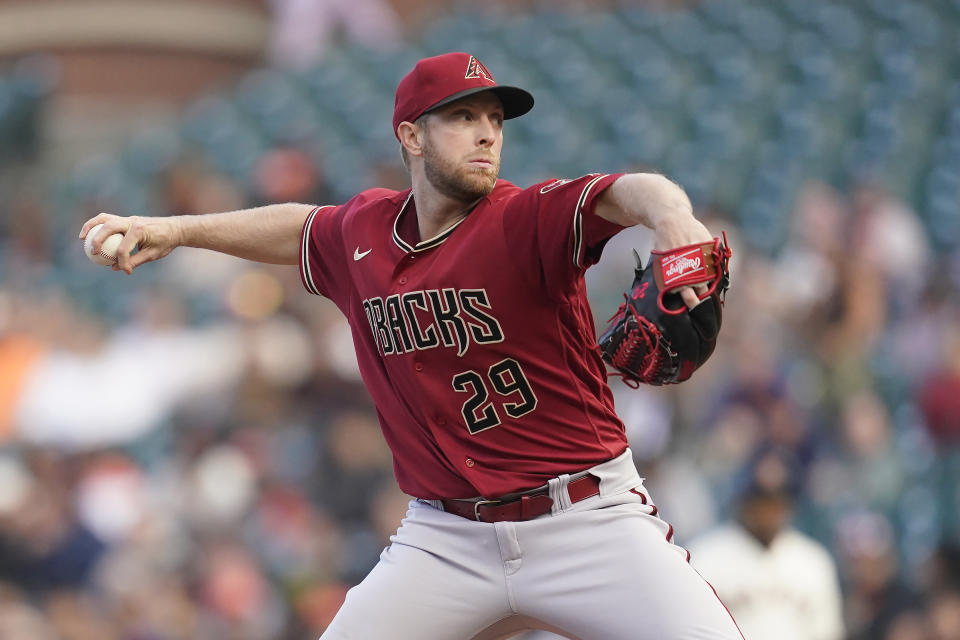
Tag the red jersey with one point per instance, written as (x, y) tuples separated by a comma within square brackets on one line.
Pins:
[(478, 345)]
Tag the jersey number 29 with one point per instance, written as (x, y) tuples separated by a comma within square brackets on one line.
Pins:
[(507, 379)]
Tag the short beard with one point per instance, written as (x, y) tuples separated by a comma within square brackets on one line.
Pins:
[(463, 184)]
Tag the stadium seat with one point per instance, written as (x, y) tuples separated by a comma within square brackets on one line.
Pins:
[(840, 26)]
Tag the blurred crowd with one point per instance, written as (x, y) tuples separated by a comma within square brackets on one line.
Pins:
[(189, 452)]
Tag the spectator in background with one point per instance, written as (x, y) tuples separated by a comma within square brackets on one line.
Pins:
[(889, 237), (879, 600), (871, 464), (776, 581), (288, 174), (304, 29), (939, 395), (43, 545)]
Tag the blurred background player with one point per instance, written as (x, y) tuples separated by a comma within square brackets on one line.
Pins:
[(776, 581)]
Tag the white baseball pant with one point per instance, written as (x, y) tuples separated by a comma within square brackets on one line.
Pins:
[(604, 568)]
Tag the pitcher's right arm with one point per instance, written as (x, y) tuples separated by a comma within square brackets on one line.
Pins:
[(268, 234)]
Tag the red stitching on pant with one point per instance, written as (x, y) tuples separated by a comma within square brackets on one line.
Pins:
[(732, 619), (670, 533)]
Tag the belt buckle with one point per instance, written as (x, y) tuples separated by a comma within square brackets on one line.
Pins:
[(476, 507)]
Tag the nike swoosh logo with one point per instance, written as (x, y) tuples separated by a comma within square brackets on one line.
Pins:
[(357, 255)]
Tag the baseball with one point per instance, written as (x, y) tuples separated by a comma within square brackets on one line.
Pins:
[(108, 250)]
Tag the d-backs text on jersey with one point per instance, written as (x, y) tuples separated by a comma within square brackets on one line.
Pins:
[(419, 320)]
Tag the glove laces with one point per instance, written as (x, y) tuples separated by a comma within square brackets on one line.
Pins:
[(641, 338)]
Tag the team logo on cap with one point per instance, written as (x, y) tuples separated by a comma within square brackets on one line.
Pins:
[(475, 69)]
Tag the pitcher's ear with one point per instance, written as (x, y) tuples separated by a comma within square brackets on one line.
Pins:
[(411, 137)]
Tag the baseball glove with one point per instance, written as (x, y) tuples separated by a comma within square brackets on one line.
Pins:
[(654, 338)]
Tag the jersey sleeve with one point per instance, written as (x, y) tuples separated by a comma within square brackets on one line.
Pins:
[(323, 264), (552, 228)]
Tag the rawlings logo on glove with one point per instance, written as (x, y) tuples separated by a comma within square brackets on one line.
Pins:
[(679, 266), (654, 338)]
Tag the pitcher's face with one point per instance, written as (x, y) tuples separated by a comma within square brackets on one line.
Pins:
[(461, 146)]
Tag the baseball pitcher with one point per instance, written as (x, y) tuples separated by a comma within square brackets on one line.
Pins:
[(466, 299)]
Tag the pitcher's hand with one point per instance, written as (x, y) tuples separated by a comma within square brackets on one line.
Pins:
[(153, 237)]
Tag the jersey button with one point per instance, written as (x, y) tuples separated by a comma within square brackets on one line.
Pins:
[(403, 280), (418, 366), (470, 462)]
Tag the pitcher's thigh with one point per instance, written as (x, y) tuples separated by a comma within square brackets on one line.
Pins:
[(618, 578), (414, 595)]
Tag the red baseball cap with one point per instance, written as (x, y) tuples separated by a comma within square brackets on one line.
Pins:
[(439, 80)]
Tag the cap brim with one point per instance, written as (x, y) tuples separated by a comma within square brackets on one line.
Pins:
[(515, 101)]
